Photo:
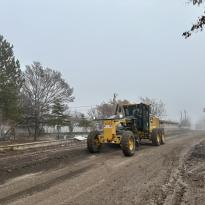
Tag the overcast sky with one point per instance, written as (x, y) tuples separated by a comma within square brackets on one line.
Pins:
[(134, 48)]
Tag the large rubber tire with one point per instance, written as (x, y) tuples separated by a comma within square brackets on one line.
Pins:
[(137, 144), (93, 143), (156, 137), (162, 137), (128, 143)]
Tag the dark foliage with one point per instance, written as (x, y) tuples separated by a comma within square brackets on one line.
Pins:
[(199, 25)]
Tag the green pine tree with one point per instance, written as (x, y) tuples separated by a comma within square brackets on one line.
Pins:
[(85, 123), (10, 82), (58, 117)]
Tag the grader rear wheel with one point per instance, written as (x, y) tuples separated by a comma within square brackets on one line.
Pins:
[(128, 143), (156, 138), (93, 143), (162, 138)]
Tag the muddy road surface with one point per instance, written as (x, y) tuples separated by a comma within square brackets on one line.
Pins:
[(173, 174)]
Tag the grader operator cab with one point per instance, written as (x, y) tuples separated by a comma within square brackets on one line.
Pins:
[(130, 124)]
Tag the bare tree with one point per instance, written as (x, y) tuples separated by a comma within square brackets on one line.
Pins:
[(41, 88), (106, 109), (157, 107), (185, 120)]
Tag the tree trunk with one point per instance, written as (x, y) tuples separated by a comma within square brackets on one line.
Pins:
[(58, 132), (36, 133)]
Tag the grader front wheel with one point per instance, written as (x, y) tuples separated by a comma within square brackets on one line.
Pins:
[(93, 143), (128, 143)]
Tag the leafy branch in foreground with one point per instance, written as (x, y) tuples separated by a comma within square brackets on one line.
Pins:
[(199, 25)]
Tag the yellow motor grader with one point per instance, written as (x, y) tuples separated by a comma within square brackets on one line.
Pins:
[(130, 124)]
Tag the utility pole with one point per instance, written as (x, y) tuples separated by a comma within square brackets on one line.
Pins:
[(185, 115), (115, 102), (115, 98), (181, 116)]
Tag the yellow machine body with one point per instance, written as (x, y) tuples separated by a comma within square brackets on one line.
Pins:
[(137, 123), (109, 134), (154, 123), (110, 126)]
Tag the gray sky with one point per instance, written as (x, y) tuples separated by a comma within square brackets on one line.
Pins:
[(134, 48)]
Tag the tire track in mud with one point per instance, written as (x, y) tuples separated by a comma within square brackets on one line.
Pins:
[(76, 168), (160, 196), (45, 185)]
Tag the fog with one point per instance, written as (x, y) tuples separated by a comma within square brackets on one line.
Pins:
[(133, 48)]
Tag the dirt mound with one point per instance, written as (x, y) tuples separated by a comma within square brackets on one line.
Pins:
[(198, 151), (193, 175)]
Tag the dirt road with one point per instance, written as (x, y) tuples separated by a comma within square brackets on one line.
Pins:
[(173, 173)]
